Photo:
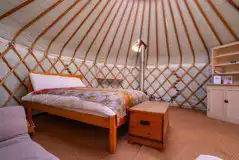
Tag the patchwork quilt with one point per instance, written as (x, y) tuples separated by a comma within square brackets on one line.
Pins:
[(102, 102)]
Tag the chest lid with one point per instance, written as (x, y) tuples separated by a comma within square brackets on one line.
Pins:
[(151, 107)]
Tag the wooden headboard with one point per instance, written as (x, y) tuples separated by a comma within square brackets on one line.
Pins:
[(30, 87)]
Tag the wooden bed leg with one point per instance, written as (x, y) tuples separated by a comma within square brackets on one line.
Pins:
[(29, 114), (30, 121), (112, 135)]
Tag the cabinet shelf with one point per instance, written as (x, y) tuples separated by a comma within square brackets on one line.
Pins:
[(228, 73), (226, 64), (227, 55)]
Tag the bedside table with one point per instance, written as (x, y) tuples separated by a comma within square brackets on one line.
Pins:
[(149, 123)]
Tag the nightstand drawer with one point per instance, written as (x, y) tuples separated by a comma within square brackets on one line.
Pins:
[(146, 129), (151, 117)]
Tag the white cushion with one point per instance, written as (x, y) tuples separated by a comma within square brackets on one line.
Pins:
[(41, 81), (12, 122), (207, 157)]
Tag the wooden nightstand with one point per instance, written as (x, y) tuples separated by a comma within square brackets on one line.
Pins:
[(149, 123)]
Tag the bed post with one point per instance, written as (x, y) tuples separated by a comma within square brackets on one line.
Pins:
[(112, 134)]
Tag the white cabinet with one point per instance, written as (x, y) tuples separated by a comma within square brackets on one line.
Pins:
[(232, 107), (223, 102)]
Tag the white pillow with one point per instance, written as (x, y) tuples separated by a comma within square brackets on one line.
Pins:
[(41, 81)]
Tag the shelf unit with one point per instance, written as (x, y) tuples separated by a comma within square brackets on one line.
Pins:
[(225, 59)]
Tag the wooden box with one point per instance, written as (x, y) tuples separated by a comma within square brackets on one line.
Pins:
[(148, 124)]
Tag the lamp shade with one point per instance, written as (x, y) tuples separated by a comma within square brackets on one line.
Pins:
[(138, 45)]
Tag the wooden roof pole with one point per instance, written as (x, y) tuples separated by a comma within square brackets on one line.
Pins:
[(140, 35), (198, 31), (223, 20), (186, 30), (74, 33), (89, 29), (132, 31), (176, 32), (66, 25), (78, 28), (37, 18), (53, 23), (10, 12), (233, 4), (107, 32), (148, 35), (208, 22), (166, 31), (98, 32), (157, 32), (62, 30), (124, 33), (116, 32), (48, 28), (32, 22)]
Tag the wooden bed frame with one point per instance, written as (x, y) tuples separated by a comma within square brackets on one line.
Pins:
[(104, 122)]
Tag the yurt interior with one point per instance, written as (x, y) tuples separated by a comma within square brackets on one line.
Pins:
[(119, 79)]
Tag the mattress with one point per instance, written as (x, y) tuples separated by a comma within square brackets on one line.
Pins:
[(101, 102)]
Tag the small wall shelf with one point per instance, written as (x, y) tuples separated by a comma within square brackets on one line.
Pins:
[(119, 80)]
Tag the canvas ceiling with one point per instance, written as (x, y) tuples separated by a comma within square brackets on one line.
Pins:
[(176, 31)]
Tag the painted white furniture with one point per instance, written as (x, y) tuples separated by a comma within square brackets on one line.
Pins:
[(223, 102)]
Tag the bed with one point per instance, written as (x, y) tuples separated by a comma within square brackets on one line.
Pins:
[(105, 108)]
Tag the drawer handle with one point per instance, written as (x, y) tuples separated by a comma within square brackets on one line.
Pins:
[(226, 101), (145, 123)]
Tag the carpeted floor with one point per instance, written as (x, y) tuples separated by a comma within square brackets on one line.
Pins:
[(191, 133)]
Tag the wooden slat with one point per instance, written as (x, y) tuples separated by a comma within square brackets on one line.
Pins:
[(209, 23), (176, 32), (233, 4), (53, 23), (166, 31), (198, 31), (124, 33), (132, 32), (66, 25), (107, 32), (157, 32), (141, 32), (80, 25), (36, 19), (148, 35), (98, 32), (116, 32), (223, 20), (15, 9), (186, 31), (89, 29)]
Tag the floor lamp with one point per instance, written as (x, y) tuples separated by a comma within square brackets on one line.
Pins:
[(140, 47)]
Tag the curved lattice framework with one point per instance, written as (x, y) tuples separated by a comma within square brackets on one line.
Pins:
[(94, 38)]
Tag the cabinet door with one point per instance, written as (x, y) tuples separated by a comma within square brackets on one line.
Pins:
[(232, 107), (216, 103)]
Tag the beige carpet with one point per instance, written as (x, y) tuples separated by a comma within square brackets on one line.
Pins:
[(191, 133)]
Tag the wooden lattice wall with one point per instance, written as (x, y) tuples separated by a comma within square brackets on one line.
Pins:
[(179, 35), (17, 61)]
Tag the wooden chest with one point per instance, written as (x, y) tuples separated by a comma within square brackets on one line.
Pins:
[(148, 124)]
